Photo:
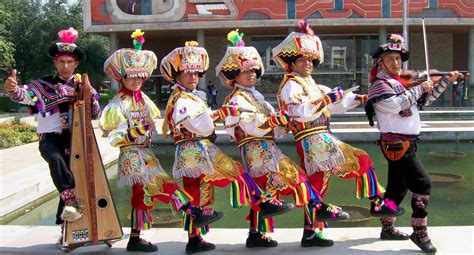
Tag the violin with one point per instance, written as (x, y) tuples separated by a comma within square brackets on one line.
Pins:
[(410, 78)]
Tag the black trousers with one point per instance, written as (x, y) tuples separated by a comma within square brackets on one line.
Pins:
[(53, 148), (406, 174)]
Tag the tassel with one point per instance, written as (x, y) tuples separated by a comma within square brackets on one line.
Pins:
[(141, 219), (179, 199), (367, 185)]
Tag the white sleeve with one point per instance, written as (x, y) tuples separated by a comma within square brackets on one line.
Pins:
[(300, 108), (251, 122), (194, 116)]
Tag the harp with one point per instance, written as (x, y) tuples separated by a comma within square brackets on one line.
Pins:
[(99, 223)]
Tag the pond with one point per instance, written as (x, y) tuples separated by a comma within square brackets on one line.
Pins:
[(451, 202)]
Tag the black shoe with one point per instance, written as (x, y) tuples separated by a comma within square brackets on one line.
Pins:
[(259, 240), (274, 207), (385, 208), (205, 217), (142, 245), (331, 212), (393, 235), (197, 244), (313, 238), (427, 246)]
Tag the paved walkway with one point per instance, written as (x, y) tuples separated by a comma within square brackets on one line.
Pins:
[(170, 241)]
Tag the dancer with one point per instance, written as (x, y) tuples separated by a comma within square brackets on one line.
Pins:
[(129, 121), (310, 105)]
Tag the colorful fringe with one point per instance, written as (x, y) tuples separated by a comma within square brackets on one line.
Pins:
[(243, 189), (368, 185), (262, 225), (141, 219), (188, 226), (179, 199), (310, 214), (305, 193)]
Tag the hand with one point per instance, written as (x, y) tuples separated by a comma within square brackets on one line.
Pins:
[(334, 96), (453, 76), (427, 86), (281, 118), (11, 83), (361, 98), (230, 109), (134, 132)]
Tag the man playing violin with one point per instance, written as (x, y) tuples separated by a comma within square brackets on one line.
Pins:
[(396, 106)]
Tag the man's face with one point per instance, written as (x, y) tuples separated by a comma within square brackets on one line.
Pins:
[(65, 66), (392, 63), (188, 80), (247, 78), (133, 84), (303, 66)]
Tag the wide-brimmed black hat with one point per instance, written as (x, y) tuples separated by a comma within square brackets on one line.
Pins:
[(395, 43), (66, 45)]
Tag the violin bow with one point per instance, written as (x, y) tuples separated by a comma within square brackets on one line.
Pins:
[(425, 44)]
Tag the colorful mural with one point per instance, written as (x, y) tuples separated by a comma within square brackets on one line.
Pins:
[(149, 11)]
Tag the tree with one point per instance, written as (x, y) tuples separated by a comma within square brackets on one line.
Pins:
[(7, 48), (34, 26)]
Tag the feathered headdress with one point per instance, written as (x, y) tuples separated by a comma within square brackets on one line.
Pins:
[(189, 58), (297, 44), (238, 58), (131, 62)]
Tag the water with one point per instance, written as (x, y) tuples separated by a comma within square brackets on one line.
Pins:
[(450, 204)]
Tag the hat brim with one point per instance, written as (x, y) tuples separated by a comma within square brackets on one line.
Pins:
[(405, 55), (77, 53)]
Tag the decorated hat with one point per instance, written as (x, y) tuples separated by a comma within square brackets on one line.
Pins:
[(395, 43), (189, 58), (131, 63), (238, 58), (299, 44), (66, 45)]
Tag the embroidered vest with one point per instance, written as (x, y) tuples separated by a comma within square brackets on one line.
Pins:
[(240, 135), (304, 129)]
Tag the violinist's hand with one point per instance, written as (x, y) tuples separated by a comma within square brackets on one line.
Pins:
[(427, 86), (361, 98), (11, 84), (453, 76)]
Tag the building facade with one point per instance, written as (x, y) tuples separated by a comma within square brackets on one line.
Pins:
[(350, 31)]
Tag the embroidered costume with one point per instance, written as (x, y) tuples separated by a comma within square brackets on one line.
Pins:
[(396, 107), (198, 161), (50, 99), (255, 131), (129, 121), (321, 153)]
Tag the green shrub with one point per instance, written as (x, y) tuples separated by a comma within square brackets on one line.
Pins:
[(7, 105), (16, 133)]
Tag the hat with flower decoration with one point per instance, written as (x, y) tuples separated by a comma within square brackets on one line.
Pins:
[(396, 43), (238, 58), (303, 43), (189, 58), (130, 63), (66, 45)]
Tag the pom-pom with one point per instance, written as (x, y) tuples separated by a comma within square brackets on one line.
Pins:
[(68, 36), (304, 28), (235, 38), (396, 38), (138, 39), (191, 44)]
